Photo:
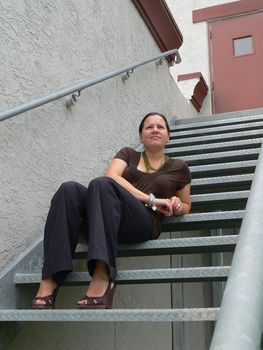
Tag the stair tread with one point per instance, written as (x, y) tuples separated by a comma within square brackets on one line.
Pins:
[(221, 196), (211, 147), (222, 179), (216, 156), (172, 246), (205, 216), (218, 129), (238, 166), (120, 315), (214, 121), (214, 138), (168, 275), (207, 220)]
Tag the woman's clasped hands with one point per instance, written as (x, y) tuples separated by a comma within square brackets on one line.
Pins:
[(169, 206)]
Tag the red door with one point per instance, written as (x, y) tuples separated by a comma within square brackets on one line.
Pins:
[(236, 63)]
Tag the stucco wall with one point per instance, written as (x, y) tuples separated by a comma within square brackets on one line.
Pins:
[(48, 45), (195, 50), (45, 46)]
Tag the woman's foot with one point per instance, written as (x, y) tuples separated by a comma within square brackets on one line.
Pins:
[(46, 295), (100, 290), (98, 296)]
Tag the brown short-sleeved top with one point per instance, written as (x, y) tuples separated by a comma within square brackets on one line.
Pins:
[(164, 183)]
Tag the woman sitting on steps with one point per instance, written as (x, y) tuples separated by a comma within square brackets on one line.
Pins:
[(126, 205)]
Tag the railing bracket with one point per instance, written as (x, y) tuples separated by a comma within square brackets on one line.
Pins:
[(70, 101), (159, 62), (127, 74)]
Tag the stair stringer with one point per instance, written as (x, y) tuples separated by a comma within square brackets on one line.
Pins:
[(12, 296)]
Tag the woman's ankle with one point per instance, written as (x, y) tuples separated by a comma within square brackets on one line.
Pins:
[(46, 287)]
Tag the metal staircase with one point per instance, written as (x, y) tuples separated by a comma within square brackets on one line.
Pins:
[(222, 153)]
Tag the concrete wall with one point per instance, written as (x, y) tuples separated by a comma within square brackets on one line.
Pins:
[(46, 46), (194, 51)]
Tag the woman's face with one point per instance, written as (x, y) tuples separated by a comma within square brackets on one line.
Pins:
[(154, 132)]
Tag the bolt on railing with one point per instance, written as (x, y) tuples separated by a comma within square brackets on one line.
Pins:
[(240, 320), (77, 88)]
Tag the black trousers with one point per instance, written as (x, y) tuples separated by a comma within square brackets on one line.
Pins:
[(105, 213)]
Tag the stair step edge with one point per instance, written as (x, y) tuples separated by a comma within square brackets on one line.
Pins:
[(217, 129), (118, 315), (136, 276), (204, 139), (215, 120), (173, 244), (239, 144), (223, 166)]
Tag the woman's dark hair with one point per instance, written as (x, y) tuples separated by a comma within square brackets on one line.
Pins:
[(150, 115)]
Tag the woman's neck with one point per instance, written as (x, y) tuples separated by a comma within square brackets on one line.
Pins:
[(154, 154), (153, 161)]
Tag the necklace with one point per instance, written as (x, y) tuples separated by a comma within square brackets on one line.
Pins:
[(147, 163)]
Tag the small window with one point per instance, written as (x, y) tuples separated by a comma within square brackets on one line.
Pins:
[(243, 46)]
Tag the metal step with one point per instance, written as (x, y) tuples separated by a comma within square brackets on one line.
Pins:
[(184, 124), (219, 201), (222, 157), (196, 245), (217, 129), (115, 315), (214, 147), (203, 221), (222, 183), (172, 275), (231, 136), (219, 169)]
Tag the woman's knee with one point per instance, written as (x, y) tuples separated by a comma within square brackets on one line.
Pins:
[(68, 188), (68, 185), (102, 181)]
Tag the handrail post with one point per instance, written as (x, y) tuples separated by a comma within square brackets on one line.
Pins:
[(240, 320)]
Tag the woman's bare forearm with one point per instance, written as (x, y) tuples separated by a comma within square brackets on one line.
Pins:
[(143, 197)]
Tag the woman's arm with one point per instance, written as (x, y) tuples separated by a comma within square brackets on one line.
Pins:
[(181, 202), (115, 171)]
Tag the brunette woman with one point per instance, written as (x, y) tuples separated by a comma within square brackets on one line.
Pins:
[(126, 205)]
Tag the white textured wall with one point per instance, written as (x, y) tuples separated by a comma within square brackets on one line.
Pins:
[(48, 45), (194, 51)]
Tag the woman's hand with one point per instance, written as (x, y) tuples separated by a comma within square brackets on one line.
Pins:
[(177, 205), (181, 202), (164, 206)]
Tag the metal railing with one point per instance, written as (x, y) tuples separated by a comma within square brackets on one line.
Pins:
[(240, 320), (126, 70)]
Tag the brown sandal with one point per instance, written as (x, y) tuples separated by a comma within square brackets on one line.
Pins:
[(103, 302), (49, 301)]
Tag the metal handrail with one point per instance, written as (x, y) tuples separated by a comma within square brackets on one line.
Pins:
[(240, 320), (85, 84)]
